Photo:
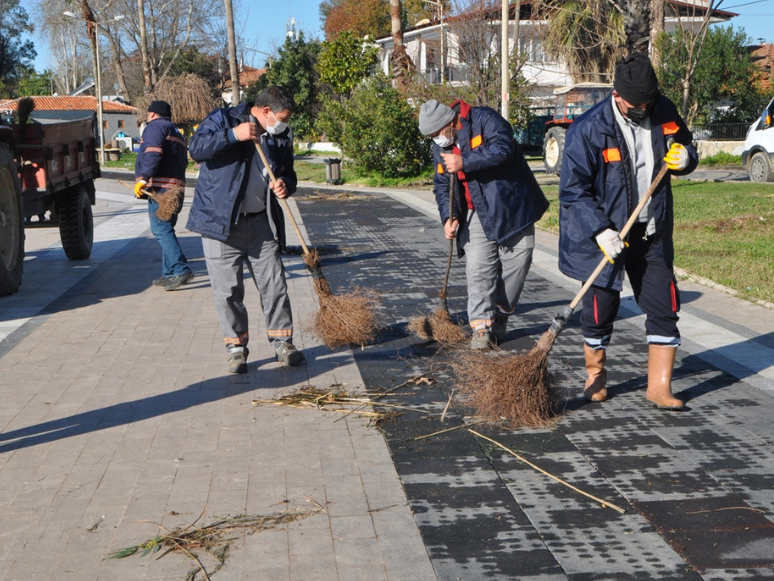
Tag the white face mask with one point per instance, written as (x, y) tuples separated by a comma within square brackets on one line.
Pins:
[(277, 128), (442, 141)]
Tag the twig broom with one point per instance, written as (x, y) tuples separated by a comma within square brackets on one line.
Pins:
[(516, 388), (170, 201), (342, 320), (439, 325)]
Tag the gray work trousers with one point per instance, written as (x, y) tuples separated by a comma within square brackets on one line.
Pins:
[(249, 243), (495, 272)]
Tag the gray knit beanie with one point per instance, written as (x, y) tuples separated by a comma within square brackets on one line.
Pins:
[(434, 116)]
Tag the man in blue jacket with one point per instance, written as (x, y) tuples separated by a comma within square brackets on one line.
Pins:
[(611, 155), (235, 209), (160, 167), (495, 207)]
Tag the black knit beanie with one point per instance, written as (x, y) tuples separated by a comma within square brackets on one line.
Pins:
[(635, 79), (160, 108)]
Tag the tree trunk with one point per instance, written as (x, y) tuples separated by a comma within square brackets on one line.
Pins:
[(232, 54), (146, 74), (637, 24), (91, 32), (399, 56), (118, 66), (656, 27)]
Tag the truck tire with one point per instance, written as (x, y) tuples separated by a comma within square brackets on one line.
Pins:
[(11, 225), (759, 168), (76, 223), (553, 148)]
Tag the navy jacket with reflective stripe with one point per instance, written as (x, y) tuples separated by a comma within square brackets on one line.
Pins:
[(597, 189)]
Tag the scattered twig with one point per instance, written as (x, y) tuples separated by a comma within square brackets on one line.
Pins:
[(604, 503), (214, 538), (448, 403), (450, 430)]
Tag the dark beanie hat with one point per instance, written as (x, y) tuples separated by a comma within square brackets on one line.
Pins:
[(160, 108), (635, 79)]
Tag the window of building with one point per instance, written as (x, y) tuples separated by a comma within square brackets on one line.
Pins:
[(120, 123)]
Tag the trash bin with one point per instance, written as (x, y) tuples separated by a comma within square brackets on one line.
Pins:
[(333, 170)]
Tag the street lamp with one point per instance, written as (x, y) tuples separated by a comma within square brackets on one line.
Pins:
[(440, 6), (99, 83)]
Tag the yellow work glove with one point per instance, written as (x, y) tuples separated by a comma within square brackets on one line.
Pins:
[(677, 157), (139, 185)]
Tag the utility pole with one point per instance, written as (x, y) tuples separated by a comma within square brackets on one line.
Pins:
[(505, 71)]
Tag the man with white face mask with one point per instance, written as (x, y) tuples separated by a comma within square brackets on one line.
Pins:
[(496, 203), (236, 211)]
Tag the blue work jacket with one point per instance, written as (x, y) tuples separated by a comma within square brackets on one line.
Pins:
[(504, 192), (162, 157), (224, 173), (597, 188)]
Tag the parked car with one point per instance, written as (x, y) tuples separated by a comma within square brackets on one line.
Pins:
[(758, 153)]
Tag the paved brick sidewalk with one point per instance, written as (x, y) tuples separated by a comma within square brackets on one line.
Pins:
[(118, 413)]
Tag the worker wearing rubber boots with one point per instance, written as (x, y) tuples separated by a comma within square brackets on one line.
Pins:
[(612, 154)]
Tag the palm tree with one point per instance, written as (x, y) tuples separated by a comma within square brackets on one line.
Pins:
[(587, 34)]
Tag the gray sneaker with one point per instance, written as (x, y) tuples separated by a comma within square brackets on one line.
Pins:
[(482, 340), (177, 281), (237, 360), (500, 326), (161, 281), (287, 353)]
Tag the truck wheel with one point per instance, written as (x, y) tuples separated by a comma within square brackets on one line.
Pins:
[(11, 225), (553, 148), (76, 223), (760, 168)]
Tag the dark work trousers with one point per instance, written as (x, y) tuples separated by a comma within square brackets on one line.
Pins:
[(655, 290)]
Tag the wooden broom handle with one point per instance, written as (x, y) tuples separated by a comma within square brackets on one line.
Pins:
[(284, 202), (451, 242), (622, 234)]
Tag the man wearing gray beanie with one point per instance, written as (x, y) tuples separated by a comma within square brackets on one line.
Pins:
[(495, 202), (611, 155)]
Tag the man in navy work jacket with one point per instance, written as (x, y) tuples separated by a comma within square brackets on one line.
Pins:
[(235, 209), (611, 155), (160, 165), (496, 205)]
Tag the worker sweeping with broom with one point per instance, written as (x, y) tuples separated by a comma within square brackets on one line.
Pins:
[(236, 210), (493, 211), (612, 154)]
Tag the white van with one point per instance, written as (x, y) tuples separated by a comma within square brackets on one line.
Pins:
[(758, 154)]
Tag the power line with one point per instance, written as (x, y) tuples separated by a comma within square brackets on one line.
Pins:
[(745, 4)]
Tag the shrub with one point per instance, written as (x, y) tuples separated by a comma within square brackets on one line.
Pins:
[(377, 129)]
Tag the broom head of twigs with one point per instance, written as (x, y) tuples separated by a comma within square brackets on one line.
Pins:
[(25, 108), (507, 388), (170, 202), (347, 319), (437, 327)]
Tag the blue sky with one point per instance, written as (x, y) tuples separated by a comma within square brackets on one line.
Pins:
[(266, 23)]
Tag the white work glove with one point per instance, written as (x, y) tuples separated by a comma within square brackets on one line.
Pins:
[(677, 157), (610, 243)]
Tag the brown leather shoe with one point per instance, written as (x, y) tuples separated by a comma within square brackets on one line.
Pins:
[(661, 362), (596, 382)]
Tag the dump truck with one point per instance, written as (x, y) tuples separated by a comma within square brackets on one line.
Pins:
[(47, 167), (571, 103)]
